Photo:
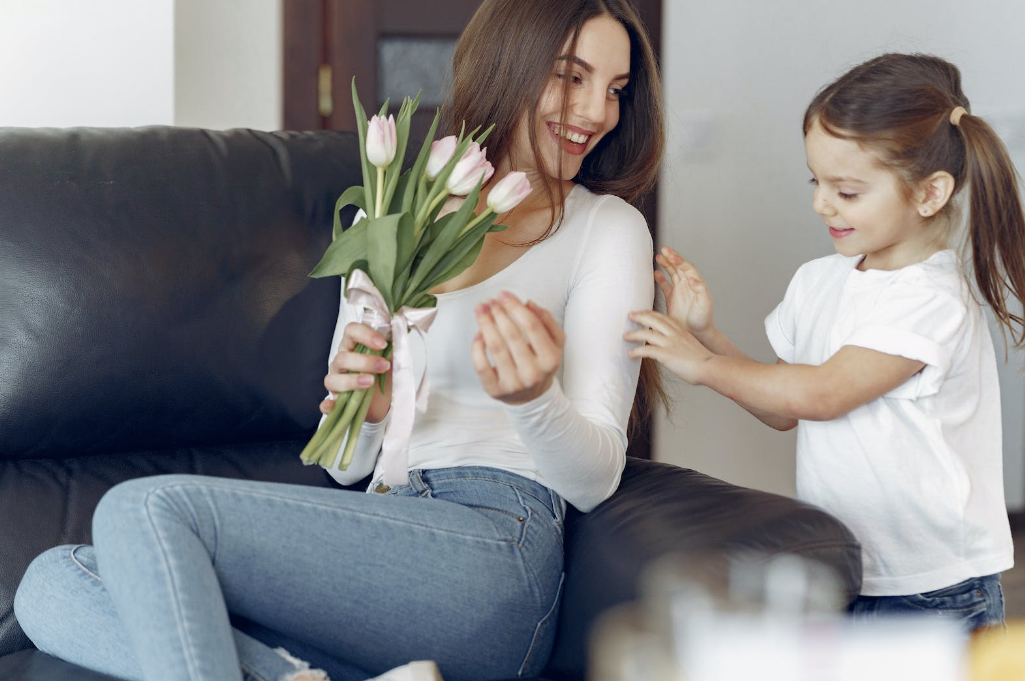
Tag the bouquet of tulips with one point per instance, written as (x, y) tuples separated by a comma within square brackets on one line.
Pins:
[(404, 247)]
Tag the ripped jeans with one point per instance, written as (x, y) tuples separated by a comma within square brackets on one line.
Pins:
[(462, 566)]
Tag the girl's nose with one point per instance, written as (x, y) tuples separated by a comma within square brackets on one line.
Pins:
[(819, 203)]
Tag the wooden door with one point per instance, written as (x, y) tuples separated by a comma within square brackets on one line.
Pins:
[(393, 48)]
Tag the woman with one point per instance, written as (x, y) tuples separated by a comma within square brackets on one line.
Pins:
[(529, 407)]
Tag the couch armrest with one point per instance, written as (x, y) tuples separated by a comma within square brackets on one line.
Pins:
[(661, 509)]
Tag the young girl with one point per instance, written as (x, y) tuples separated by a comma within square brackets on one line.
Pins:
[(528, 411), (885, 361)]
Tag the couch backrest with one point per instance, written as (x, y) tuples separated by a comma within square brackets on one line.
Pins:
[(153, 290)]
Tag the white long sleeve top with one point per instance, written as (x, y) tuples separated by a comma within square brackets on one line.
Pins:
[(590, 274)]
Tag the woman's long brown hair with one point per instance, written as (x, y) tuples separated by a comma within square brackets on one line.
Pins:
[(502, 64), (899, 106)]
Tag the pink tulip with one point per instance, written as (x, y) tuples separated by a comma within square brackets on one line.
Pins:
[(441, 154), (472, 168), (381, 141), (509, 192)]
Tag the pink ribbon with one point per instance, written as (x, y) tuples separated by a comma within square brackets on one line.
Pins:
[(406, 398)]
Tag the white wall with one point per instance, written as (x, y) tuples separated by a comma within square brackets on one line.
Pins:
[(103, 62), (205, 63), (735, 195), (228, 64)]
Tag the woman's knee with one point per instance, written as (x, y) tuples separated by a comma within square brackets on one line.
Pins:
[(42, 593), (127, 502)]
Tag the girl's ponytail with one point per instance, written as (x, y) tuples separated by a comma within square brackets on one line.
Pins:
[(996, 222)]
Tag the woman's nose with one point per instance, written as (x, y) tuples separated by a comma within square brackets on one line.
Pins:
[(589, 104)]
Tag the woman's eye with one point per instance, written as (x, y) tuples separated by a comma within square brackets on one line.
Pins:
[(616, 92), (813, 182), (847, 197)]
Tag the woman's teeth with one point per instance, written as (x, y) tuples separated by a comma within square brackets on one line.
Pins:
[(574, 137)]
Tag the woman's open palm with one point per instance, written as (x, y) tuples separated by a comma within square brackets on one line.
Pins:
[(688, 300), (518, 349)]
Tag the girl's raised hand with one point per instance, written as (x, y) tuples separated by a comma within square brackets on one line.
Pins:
[(351, 370), (687, 298), (669, 342), (524, 343)]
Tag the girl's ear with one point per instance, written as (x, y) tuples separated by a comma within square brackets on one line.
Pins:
[(934, 192)]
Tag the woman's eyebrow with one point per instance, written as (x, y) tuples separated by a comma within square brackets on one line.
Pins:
[(587, 67)]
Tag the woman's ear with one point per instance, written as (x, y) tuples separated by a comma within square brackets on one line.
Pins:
[(934, 192)]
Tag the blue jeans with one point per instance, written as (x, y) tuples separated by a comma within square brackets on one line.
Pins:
[(974, 603), (462, 566)]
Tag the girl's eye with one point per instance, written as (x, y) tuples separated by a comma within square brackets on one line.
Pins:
[(813, 182), (574, 78), (847, 197), (616, 92)]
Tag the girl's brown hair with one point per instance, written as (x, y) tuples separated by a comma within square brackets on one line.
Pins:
[(502, 64), (900, 106)]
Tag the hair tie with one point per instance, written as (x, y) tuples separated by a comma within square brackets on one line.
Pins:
[(955, 115)]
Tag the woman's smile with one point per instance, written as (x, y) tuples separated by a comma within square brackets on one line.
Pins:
[(573, 139)]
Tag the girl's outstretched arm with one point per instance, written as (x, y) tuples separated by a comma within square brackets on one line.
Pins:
[(777, 394), (689, 302)]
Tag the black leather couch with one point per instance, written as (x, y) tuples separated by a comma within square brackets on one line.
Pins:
[(156, 317)]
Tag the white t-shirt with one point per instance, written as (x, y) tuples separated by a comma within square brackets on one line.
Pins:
[(590, 274), (916, 474)]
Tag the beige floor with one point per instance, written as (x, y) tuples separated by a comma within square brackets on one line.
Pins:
[(1013, 581)]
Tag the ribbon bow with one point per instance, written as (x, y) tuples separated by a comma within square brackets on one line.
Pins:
[(405, 399)]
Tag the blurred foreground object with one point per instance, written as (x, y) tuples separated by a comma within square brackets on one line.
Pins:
[(752, 616), (997, 656)]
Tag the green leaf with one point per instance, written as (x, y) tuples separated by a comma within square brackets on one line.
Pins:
[(435, 249), (353, 196), (405, 251), (427, 237), (361, 265), (420, 195), (418, 166), (348, 247), (382, 245), (402, 139), (436, 228), (498, 228), (484, 135), (396, 204), (457, 265), (361, 128), (455, 260), (425, 300)]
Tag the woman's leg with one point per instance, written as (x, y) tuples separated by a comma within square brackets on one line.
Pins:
[(469, 578), (63, 606)]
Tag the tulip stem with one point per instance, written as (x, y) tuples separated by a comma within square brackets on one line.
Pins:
[(329, 448), (429, 207), (355, 426), (380, 192), (473, 223)]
